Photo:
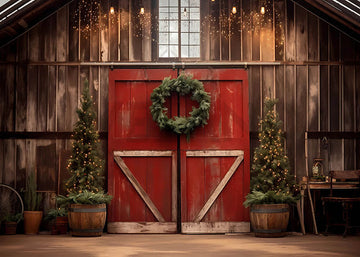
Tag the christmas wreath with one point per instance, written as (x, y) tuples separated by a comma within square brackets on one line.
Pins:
[(183, 85)]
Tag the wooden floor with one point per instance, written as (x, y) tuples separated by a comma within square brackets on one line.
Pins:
[(179, 245)]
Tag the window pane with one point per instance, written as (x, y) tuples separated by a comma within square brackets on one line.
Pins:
[(163, 38), (195, 3), (194, 15), (174, 26), (163, 26), (194, 51), (194, 39), (184, 26), (184, 3), (174, 51), (174, 38), (184, 38), (174, 2), (163, 51), (163, 2), (185, 51), (174, 15), (195, 26)]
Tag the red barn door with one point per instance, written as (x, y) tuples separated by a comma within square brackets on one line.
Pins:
[(143, 160), (215, 169)]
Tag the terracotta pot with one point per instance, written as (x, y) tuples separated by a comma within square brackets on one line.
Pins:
[(10, 228), (269, 220), (32, 220), (86, 219)]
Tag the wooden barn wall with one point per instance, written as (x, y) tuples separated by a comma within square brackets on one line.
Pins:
[(312, 68)]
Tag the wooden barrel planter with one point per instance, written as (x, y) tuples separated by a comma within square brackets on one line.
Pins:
[(269, 220), (86, 219)]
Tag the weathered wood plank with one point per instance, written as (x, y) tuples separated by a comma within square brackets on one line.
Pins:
[(61, 98), (10, 101), (335, 99), (84, 43), (224, 29), (267, 33), (46, 166), (139, 189), (290, 114), (246, 31), (124, 30), (254, 97), (279, 7), (214, 227), (255, 26), (205, 30), (62, 33), (113, 31), (143, 153), (43, 79), (21, 98), (103, 105), (94, 84), (324, 96), (146, 31), (142, 227), (313, 113), (301, 95), (219, 189), (73, 33), (235, 33), (334, 44), (51, 103), (215, 30), (34, 34), (104, 33), (280, 92), (9, 176), (301, 34), (324, 41), (267, 81), (71, 97), (290, 32), (135, 31), (349, 115), (313, 38), (20, 164)]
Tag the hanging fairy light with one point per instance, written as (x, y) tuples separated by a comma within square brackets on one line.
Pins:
[(262, 10), (86, 17), (234, 10), (142, 10), (112, 10)]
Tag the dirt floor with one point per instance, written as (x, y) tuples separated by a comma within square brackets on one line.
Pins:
[(178, 245)]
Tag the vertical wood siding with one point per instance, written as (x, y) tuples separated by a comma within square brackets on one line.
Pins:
[(317, 83)]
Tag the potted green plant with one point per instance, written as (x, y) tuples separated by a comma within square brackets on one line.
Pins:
[(86, 200), (58, 218), (10, 223), (32, 199), (272, 186)]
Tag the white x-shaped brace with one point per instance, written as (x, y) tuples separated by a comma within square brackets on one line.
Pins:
[(209, 153)]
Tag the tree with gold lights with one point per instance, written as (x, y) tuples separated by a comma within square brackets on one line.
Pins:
[(85, 164), (271, 181)]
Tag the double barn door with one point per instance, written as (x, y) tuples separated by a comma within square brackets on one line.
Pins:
[(163, 183)]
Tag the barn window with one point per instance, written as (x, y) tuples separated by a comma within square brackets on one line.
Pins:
[(179, 28)]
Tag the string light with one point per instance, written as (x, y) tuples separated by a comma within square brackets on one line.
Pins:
[(142, 10), (112, 10), (262, 10), (234, 10)]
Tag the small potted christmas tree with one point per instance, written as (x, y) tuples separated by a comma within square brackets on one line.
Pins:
[(86, 200), (272, 186)]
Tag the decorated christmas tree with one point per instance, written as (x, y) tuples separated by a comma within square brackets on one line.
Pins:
[(271, 181), (85, 164)]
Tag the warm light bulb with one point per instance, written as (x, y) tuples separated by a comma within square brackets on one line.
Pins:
[(234, 10), (262, 10), (112, 10), (142, 10)]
